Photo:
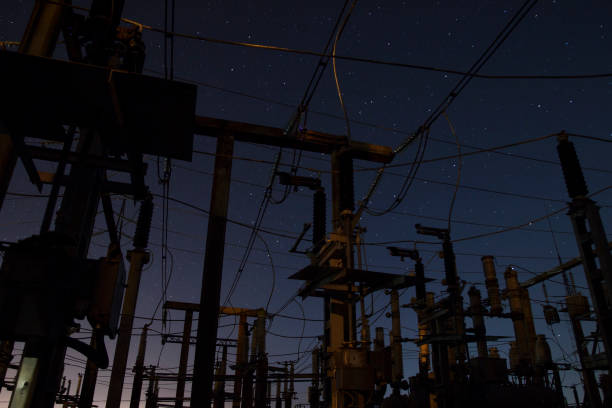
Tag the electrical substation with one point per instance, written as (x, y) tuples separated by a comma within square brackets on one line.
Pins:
[(86, 124)]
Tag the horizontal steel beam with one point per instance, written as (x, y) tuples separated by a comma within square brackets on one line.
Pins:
[(308, 140), (572, 263), (108, 163), (195, 307)]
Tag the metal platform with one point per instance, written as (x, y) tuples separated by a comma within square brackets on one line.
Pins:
[(133, 112)]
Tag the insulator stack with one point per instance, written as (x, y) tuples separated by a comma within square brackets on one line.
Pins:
[(492, 285), (514, 355), (379, 340), (476, 310), (522, 319), (315, 367), (318, 218), (143, 225), (543, 356), (572, 172), (396, 337), (347, 190)]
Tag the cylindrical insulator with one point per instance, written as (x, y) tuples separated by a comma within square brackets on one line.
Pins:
[(572, 172), (379, 341), (543, 356), (430, 298), (478, 321), (315, 367), (143, 225), (347, 192), (492, 285), (514, 355), (319, 220)]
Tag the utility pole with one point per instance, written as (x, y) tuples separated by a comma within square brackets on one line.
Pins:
[(138, 257), (201, 390), (591, 239)]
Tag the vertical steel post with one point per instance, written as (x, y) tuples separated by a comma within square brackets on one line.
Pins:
[(591, 390), (139, 369), (138, 257), (242, 358), (201, 390), (261, 382), (397, 366), (591, 239), (279, 403), (90, 376), (219, 391), (247, 384), (286, 392), (182, 373)]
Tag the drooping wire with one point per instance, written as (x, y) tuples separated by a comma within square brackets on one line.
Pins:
[(423, 131), (338, 90), (459, 165), (317, 75), (273, 285), (302, 108), (255, 229)]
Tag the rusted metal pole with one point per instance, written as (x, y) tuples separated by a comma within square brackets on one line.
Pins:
[(203, 373)]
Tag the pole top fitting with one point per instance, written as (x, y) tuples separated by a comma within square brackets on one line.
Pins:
[(562, 136)]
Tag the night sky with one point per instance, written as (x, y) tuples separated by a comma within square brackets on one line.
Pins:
[(385, 104)]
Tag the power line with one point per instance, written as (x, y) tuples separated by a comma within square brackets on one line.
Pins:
[(422, 133), (374, 61), (386, 128)]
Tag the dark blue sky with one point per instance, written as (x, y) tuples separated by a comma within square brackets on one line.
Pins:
[(557, 37)]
